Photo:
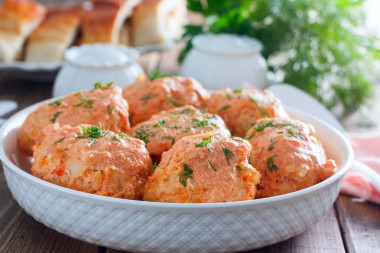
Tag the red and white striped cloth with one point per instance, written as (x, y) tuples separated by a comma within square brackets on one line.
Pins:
[(361, 181)]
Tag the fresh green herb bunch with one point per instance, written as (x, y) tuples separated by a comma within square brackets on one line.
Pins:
[(320, 43)]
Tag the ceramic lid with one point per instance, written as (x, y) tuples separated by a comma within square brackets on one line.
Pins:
[(227, 44), (101, 55)]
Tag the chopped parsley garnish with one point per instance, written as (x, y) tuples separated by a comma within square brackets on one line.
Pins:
[(261, 127), (92, 132), (228, 95), (238, 90), (224, 108), (187, 174), (319, 143), (175, 127), (188, 171), (147, 97), (200, 123), (169, 138), (87, 103), (253, 100), (292, 132), (92, 142), (169, 161), (55, 116), (157, 74), (271, 165), (212, 166), (159, 123), (228, 153), (251, 136), (115, 138), (110, 109), (56, 102), (172, 101), (60, 140), (263, 112), (181, 180), (174, 116), (204, 143), (197, 123), (271, 146), (187, 111), (153, 168), (203, 111), (144, 135), (238, 167), (285, 124), (99, 85)]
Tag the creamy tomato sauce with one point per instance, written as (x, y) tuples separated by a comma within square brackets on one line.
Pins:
[(204, 168), (148, 98), (103, 106), (162, 130), (92, 160), (241, 108)]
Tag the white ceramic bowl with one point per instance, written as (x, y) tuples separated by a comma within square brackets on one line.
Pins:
[(88, 64), (168, 227), (225, 60)]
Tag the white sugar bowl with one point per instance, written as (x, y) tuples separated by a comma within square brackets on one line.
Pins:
[(225, 60), (88, 64)]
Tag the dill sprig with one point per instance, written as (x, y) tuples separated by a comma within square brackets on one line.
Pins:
[(212, 166), (204, 142), (271, 165), (55, 116), (228, 153)]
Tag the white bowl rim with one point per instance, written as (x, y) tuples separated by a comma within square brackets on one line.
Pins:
[(147, 204)]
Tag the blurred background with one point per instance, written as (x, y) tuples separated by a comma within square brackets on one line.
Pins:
[(329, 49)]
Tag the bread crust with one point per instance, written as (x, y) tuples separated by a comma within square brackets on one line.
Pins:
[(103, 23), (58, 31), (18, 19), (157, 21)]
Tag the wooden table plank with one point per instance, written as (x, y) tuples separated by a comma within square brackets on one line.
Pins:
[(324, 236), (360, 224)]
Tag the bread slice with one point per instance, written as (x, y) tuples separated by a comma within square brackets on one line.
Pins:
[(18, 18), (104, 21), (157, 21), (58, 32)]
